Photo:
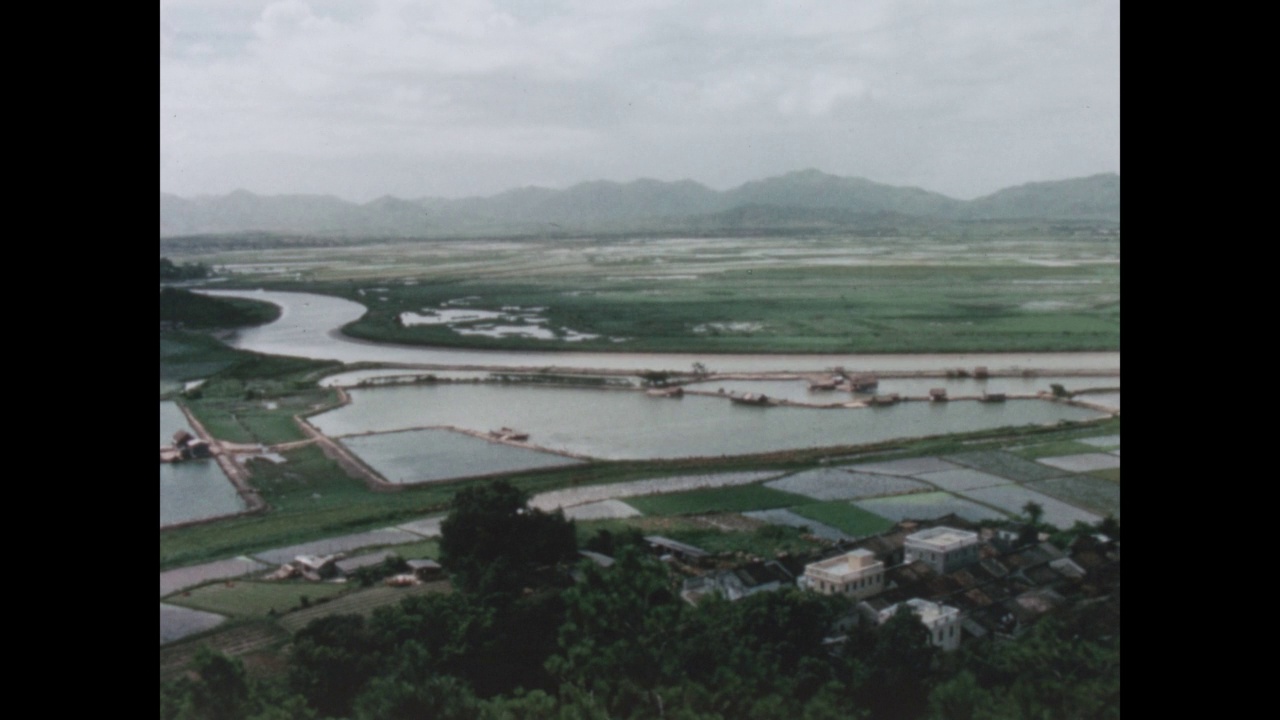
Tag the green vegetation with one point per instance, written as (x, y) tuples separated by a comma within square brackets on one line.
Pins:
[(740, 498), (255, 599), (818, 293), (169, 270), (188, 309), (309, 497), (620, 643), (268, 422), (1053, 449), (493, 542), (844, 517), (811, 309), (1112, 474)]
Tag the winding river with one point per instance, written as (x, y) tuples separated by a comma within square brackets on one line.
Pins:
[(309, 326)]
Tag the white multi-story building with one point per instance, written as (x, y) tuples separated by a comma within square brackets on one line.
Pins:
[(857, 574), (942, 548), (943, 621)]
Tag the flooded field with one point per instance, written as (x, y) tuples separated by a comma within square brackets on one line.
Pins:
[(195, 490), (630, 425), (416, 456), (191, 490)]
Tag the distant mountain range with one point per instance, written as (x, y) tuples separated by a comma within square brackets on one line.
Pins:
[(804, 199)]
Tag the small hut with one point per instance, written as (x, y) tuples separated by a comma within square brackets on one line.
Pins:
[(938, 394), (865, 382)]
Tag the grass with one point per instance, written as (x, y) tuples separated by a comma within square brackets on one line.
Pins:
[(1005, 465), (255, 599), (741, 498), (310, 498), (807, 294), (765, 541), (844, 517), (241, 420), (1112, 474), (1053, 449), (1089, 492)]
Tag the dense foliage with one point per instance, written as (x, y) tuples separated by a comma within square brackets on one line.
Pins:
[(201, 311), (620, 643), (169, 270)]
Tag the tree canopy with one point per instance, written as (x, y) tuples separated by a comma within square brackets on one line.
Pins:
[(492, 541)]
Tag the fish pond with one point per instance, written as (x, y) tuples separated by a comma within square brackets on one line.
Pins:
[(195, 489), (415, 456), (628, 425)]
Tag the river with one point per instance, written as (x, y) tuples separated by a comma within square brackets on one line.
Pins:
[(309, 326)]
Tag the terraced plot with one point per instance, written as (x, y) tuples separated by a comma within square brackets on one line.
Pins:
[(962, 480), (1082, 463), (343, 543), (845, 517), (909, 466), (1094, 493), (603, 510), (840, 484), (790, 519), (360, 602), (923, 506), (577, 496), (738, 499), (1004, 464), (174, 580), (179, 622), (1012, 498), (256, 599)]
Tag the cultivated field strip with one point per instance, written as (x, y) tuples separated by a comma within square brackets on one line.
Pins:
[(841, 484), (790, 519), (1004, 464), (1092, 493), (603, 510), (549, 501), (233, 642), (172, 581), (922, 506), (908, 467), (962, 480), (343, 543), (361, 602), (1082, 463), (1012, 498), (179, 622)]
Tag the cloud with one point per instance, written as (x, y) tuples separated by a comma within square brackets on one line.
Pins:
[(719, 91)]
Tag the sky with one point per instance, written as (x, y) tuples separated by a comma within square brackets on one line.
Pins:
[(457, 98)]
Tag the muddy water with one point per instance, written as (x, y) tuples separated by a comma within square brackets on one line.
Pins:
[(630, 425), (194, 490), (308, 327)]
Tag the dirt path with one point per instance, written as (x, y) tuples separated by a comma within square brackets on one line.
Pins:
[(234, 471)]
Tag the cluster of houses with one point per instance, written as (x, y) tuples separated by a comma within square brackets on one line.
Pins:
[(958, 579)]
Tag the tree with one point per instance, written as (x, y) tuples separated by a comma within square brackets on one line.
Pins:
[(493, 542), (1034, 512)]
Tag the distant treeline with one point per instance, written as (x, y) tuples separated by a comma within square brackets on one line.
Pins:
[(169, 270)]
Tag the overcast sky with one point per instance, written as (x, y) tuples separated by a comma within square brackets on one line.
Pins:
[(472, 97)]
